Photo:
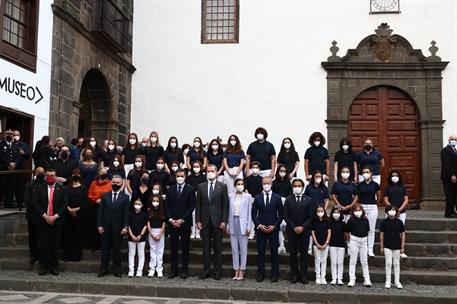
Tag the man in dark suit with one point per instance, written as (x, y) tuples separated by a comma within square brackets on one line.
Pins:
[(24, 153), (449, 175), (211, 215), (10, 160), (267, 216), (112, 223), (180, 204), (298, 214), (49, 206)]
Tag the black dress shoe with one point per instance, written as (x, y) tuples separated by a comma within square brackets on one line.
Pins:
[(304, 280), (54, 272), (204, 275), (102, 273), (33, 260), (173, 274), (43, 271), (117, 274), (293, 280), (217, 276), (452, 215), (183, 275), (260, 277), (274, 279)]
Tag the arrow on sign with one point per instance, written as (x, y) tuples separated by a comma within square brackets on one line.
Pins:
[(41, 95)]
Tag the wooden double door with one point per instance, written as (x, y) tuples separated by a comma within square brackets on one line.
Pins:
[(391, 120)]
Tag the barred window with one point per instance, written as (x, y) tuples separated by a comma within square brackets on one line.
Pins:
[(220, 21)]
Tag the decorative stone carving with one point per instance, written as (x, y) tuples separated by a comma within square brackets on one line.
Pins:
[(334, 49), (383, 42), (433, 50)]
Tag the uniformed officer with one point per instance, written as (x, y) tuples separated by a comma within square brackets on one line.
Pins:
[(10, 158), (24, 153)]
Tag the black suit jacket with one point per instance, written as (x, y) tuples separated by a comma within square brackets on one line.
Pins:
[(30, 191), (267, 215), (448, 163), (9, 154), (114, 215), (298, 213), (40, 204), (180, 207), (215, 209)]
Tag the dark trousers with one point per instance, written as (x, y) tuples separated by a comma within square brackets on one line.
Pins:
[(178, 235), (450, 193), (111, 241), (9, 183), (49, 237), (273, 239), (298, 243), (92, 235), (72, 241), (33, 239), (211, 233)]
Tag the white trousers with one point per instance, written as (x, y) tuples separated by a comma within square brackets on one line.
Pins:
[(402, 217), (229, 181), (372, 215), (264, 173), (282, 230), (320, 262), (337, 262), (156, 249), (358, 248), (375, 178), (133, 248), (346, 218), (392, 257)]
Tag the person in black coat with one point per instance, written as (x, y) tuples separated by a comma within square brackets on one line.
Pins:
[(179, 204), (49, 210), (449, 175), (64, 165), (298, 214), (10, 160), (30, 191), (24, 153), (112, 223)]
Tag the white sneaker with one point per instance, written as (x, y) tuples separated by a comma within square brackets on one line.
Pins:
[(367, 283), (340, 282), (324, 281), (318, 281), (333, 282), (351, 284), (403, 255), (398, 285), (282, 250), (251, 237), (130, 274), (387, 285), (139, 274), (151, 273), (159, 273), (197, 235), (192, 236), (371, 254)]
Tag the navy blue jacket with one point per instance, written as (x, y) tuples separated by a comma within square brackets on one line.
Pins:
[(267, 215)]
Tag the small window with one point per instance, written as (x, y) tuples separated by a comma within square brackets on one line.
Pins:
[(220, 21), (19, 20)]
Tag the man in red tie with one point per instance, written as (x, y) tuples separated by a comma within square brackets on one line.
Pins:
[(49, 207)]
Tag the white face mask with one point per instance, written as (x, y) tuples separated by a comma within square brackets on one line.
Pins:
[(357, 214), (180, 180), (233, 143), (336, 216), (138, 164), (259, 136), (153, 139), (143, 144), (282, 174), (394, 179), (173, 145), (345, 175), (159, 166), (211, 175), (197, 144), (155, 204), (287, 146), (320, 214), (255, 171), (317, 143), (266, 187), (186, 151), (115, 163), (317, 180), (137, 208), (215, 147), (174, 168), (16, 138), (155, 191), (111, 147), (240, 188), (92, 143), (196, 169), (297, 190), (391, 213), (345, 147), (132, 141), (453, 142), (366, 176)]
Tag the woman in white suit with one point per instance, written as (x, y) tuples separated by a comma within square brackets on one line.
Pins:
[(239, 227)]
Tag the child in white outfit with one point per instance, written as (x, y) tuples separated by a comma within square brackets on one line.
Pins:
[(137, 238), (156, 229)]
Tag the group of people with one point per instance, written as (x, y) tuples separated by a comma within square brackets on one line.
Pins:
[(95, 195)]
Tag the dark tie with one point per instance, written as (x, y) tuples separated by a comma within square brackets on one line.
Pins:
[(298, 198), (267, 201), (211, 190), (179, 191), (114, 197)]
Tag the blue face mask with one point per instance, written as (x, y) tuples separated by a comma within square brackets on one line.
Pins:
[(453, 143)]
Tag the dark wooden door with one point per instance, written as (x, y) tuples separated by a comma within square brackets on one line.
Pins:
[(391, 120)]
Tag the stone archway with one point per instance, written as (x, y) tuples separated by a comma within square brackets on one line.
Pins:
[(383, 59)]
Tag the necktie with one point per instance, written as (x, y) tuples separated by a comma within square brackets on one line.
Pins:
[(267, 201), (298, 198), (179, 190), (114, 197), (211, 190), (51, 199)]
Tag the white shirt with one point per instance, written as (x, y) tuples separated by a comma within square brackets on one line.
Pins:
[(237, 206), (209, 187), (117, 195), (265, 197)]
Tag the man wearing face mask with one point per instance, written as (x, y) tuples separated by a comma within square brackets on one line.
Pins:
[(112, 223), (24, 153), (10, 160), (449, 176), (267, 215), (298, 214), (263, 152), (64, 165), (180, 203), (211, 215), (30, 191), (49, 209)]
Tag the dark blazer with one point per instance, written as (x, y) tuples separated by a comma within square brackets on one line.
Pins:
[(448, 163), (40, 204), (180, 207), (111, 214), (215, 209), (30, 191), (9, 155), (267, 215), (298, 214)]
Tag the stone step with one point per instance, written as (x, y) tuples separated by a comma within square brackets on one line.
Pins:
[(196, 257), (426, 277), (248, 290)]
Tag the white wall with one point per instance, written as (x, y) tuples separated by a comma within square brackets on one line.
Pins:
[(273, 77), (41, 78)]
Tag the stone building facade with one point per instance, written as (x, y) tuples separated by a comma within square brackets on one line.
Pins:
[(91, 69)]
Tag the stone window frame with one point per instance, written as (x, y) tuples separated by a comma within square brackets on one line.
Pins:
[(205, 26)]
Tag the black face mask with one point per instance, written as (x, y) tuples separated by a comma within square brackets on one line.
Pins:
[(39, 178), (9, 138), (145, 180), (76, 178), (368, 147), (115, 187), (103, 176), (64, 154)]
